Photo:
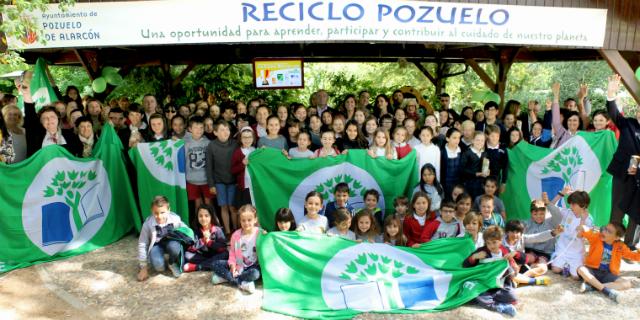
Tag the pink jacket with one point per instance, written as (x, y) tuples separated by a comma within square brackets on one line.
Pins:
[(235, 251)]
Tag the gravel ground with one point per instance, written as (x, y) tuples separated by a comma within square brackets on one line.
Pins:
[(102, 285)]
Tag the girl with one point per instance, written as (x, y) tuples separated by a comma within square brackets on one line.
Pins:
[(410, 125), (273, 139), (293, 130), (177, 127), (210, 245), (158, 130), (509, 122), (416, 223), (365, 227), (302, 150), (327, 141), (240, 160), (338, 125), (312, 221), (283, 115), (386, 122), (342, 219), (536, 137), (450, 166), (478, 116), (360, 116), (300, 113), (399, 116), (467, 113), (242, 268), (370, 126), (472, 165), (354, 139), (262, 115), (327, 118), (400, 144), (515, 136), (430, 185), (463, 206), (393, 234), (472, 225), (426, 151), (315, 124), (285, 220), (382, 146)]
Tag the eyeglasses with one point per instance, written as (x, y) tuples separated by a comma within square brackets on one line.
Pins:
[(171, 111)]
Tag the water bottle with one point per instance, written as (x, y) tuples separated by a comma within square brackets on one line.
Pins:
[(566, 270)]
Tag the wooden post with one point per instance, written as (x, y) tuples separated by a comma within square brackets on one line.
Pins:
[(167, 83), (622, 67), (89, 61)]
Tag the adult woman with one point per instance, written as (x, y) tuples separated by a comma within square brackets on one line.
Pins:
[(72, 94), (13, 121), (88, 140), (6, 143), (349, 106), (381, 106), (566, 128)]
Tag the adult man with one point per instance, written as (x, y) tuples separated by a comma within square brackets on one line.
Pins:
[(445, 100), (150, 105), (116, 116), (323, 99)]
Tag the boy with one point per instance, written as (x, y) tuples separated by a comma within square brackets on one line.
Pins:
[(371, 198), (489, 218), (601, 267), (219, 178), (569, 251), (540, 252), (501, 299), (490, 188), (195, 145), (341, 198), (497, 155), (446, 225), (152, 244), (401, 205)]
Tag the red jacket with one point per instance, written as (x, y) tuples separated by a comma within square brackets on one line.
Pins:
[(403, 151), (416, 233), (237, 167)]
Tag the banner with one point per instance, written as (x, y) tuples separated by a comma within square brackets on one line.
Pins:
[(315, 276), (41, 89), (277, 182), (134, 23), (160, 168), (580, 163), (55, 205)]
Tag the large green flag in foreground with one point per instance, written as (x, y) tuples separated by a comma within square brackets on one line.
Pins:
[(580, 162), (55, 205), (315, 276), (160, 168), (280, 183)]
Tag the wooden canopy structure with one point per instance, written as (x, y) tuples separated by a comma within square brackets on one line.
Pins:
[(621, 50)]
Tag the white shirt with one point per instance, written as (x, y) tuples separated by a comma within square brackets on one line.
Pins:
[(428, 154), (318, 225), (48, 139), (421, 220)]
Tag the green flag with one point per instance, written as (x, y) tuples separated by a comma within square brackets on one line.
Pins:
[(55, 205), (315, 276), (581, 162), (280, 183), (41, 88), (160, 170)]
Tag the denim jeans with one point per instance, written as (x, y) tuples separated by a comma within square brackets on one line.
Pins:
[(221, 269), (171, 247)]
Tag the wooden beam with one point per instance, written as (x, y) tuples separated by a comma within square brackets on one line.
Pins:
[(481, 73), (183, 75), (622, 67), (426, 72), (505, 61), (89, 61)]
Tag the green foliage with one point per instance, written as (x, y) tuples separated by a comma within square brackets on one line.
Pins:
[(373, 267)]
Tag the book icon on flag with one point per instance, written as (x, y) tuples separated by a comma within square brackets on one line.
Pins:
[(91, 211), (56, 226)]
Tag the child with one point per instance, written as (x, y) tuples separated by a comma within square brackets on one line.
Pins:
[(497, 155), (393, 234), (601, 267), (342, 219), (500, 299), (242, 268), (312, 221), (540, 252), (446, 225), (273, 139), (457, 190), (463, 206), (400, 134), (489, 218), (490, 189), (293, 130), (158, 126), (240, 160), (381, 146), (400, 205), (472, 225), (285, 220), (195, 145), (219, 177), (472, 165), (152, 244), (515, 241), (354, 139), (341, 200), (371, 198), (570, 250), (415, 226), (426, 151), (315, 126), (468, 130), (210, 246), (302, 150), (450, 161), (370, 127), (328, 139), (365, 227), (429, 184)]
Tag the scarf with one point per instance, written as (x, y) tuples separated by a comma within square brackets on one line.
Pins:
[(87, 145)]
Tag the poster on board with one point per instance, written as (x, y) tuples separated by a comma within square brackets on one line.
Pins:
[(276, 73)]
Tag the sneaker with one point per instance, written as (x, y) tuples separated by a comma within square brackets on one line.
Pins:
[(190, 267), (614, 295), (249, 287), (585, 287), (215, 279), (543, 281), (505, 308), (175, 270)]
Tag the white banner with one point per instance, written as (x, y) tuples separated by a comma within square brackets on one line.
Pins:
[(257, 21)]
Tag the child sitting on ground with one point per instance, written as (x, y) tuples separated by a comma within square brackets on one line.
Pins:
[(242, 268), (472, 225), (601, 269), (210, 245), (342, 225), (489, 217), (446, 225), (490, 188), (463, 206), (540, 252)]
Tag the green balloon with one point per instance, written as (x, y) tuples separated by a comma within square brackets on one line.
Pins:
[(113, 79), (99, 85), (638, 73), (108, 70)]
